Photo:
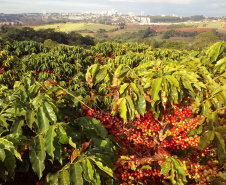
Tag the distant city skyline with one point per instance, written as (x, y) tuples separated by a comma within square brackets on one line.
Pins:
[(207, 8)]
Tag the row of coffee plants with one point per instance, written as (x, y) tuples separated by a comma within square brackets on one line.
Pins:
[(173, 113), (138, 116)]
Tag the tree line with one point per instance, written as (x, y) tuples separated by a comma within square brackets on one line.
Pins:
[(27, 33)]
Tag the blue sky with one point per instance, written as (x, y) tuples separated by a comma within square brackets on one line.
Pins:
[(167, 7)]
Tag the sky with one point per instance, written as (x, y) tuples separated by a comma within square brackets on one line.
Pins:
[(208, 8)]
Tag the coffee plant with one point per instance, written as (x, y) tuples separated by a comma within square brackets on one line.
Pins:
[(112, 114)]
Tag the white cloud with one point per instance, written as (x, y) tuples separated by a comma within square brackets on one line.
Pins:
[(158, 1)]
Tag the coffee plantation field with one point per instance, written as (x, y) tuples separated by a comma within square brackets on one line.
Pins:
[(112, 114)]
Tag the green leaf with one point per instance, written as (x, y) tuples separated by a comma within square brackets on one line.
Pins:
[(199, 130), (123, 109), (136, 90), (27, 83), (141, 104), (123, 87), (2, 171), (30, 117), (37, 155), (220, 65), (3, 122), (52, 179), (178, 166), (16, 127), (75, 171), (56, 110), (222, 175), (2, 154), (49, 112), (174, 94), (172, 176), (7, 145), (16, 85), (37, 101), (63, 178), (100, 165), (211, 119), (206, 108), (216, 103), (92, 124), (34, 90), (10, 163), (88, 171), (187, 84), (147, 167), (155, 88), (221, 129), (220, 143), (58, 149), (125, 158), (49, 141), (97, 178), (14, 112), (42, 121), (191, 132), (205, 139), (72, 143), (165, 168), (172, 80), (91, 73), (101, 74), (133, 166), (121, 71), (131, 107), (214, 51), (62, 135)]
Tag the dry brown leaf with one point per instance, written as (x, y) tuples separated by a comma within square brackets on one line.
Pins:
[(148, 160), (63, 92), (53, 82), (2, 70), (137, 115), (75, 154), (90, 81), (147, 98), (92, 95), (120, 162), (161, 135), (116, 96), (85, 145), (115, 108)]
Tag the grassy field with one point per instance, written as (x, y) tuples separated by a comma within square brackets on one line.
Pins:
[(68, 27), (130, 27), (90, 29), (215, 25)]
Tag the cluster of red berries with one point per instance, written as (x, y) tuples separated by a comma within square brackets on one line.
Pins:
[(49, 72), (185, 126), (146, 176), (198, 154), (147, 124), (113, 124), (202, 173), (130, 173), (179, 113), (182, 142), (182, 124), (103, 59), (139, 139), (142, 131)]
